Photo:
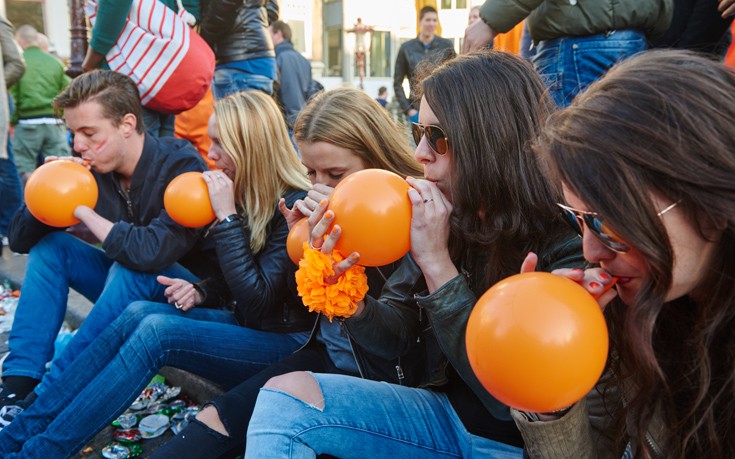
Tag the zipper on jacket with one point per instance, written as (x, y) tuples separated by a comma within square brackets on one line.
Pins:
[(352, 349), (399, 372), (128, 203)]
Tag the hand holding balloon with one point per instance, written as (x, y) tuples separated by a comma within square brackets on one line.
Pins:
[(221, 193), (596, 281), (55, 190), (537, 342), (325, 239), (187, 200), (304, 207)]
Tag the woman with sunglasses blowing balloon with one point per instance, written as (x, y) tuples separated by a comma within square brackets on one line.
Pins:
[(651, 191), (482, 206)]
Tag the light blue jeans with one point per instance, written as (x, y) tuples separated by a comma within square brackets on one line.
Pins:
[(107, 377), (363, 418), (56, 263), (231, 81), (569, 65)]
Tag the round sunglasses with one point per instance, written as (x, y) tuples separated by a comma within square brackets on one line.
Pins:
[(438, 140), (578, 219)]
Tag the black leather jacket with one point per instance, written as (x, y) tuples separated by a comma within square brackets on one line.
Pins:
[(237, 30), (260, 282), (143, 236)]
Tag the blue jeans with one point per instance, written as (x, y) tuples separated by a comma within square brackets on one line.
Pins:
[(231, 81), (11, 195), (107, 377), (56, 263), (364, 418), (158, 124), (569, 65)]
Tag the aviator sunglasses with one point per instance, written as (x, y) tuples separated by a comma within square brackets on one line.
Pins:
[(577, 219), (438, 140)]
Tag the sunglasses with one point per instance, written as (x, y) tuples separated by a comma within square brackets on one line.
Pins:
[(437, 139), (578, 219)]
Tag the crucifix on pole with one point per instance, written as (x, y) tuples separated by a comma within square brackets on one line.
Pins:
[(363, 36)]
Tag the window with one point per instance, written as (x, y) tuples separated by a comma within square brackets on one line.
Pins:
[(298, 35), (334, 52), (461, 4), (380, 54), (446, 4)]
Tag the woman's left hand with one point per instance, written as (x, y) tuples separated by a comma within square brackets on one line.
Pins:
[(430, 232), (221, 193), (180, 293)]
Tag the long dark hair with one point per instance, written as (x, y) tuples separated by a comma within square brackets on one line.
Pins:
[(663, 123), (491, 105)]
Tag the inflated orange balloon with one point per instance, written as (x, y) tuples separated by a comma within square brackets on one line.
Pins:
[(55, 189), (187, 202), (295, 241), (537, 342), (373, 210)]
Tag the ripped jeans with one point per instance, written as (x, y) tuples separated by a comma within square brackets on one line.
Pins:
[(364, 418)]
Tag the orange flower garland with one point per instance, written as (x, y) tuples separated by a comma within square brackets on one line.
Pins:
[(339, 299)]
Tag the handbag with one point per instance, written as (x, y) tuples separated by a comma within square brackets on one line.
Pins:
[(168, 61)]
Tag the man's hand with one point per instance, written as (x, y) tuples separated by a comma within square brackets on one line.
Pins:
[(478, 35), (92, 60)]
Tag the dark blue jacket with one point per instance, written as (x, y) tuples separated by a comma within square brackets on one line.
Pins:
[(294, 79), (143, 237)]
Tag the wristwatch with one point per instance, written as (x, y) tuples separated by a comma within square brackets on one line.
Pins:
[(231, 218)]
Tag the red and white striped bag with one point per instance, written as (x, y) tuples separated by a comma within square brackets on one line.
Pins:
[(171, 64)]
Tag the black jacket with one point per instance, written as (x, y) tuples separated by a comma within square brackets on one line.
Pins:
[(143, 237), (237, 30), (262, 284), (294, 73), (410, 54)]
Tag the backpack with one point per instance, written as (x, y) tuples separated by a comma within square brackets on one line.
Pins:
[(168, 61)]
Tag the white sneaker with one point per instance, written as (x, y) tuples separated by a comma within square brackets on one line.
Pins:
[(8, 413)]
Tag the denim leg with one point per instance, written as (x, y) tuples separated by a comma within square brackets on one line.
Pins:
[(158, 124), (122, 287), (85, 369), (236, 406), (364, 418), (206, 348), (55, 263), (569, 65), (231, 81), (11, 195)]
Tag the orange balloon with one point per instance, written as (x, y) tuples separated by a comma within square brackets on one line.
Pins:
[(295, 241), (187, 202), (537, 342), (373, 210), (55, 189)]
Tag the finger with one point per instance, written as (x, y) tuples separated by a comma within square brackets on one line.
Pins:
[(422, 186), (186, 295), (606, 298), (417, 202), (529, 264), (575, 274), (174, 288), (163, 280), (321, 228), (322, 189), (729, 11), (285, 211), (317, 213), (342, 266), (317, 195), (301, 207), (331, 241)]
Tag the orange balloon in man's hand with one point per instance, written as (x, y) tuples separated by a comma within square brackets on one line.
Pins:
[(373, 210), (56, 189), (187, 202), (537, 341), (295, 241)]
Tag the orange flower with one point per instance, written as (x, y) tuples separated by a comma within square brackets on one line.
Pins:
[(336, 299)]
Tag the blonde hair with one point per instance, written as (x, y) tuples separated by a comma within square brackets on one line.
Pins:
[(351, 119), (253, 134)]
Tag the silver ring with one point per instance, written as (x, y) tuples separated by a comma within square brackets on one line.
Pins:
[(178, 306), (319, 249), (428, 200)]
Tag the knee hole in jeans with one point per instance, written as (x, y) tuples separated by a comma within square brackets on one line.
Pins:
[(300, 385)]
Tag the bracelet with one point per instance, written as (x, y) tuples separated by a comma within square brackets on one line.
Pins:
[(231, 218), (338, 299)]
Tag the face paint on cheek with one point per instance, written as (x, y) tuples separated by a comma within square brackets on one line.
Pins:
[(99, 150)]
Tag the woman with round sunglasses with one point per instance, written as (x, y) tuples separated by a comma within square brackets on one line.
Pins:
[(332, 147), (482, 206), (650, 189)]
